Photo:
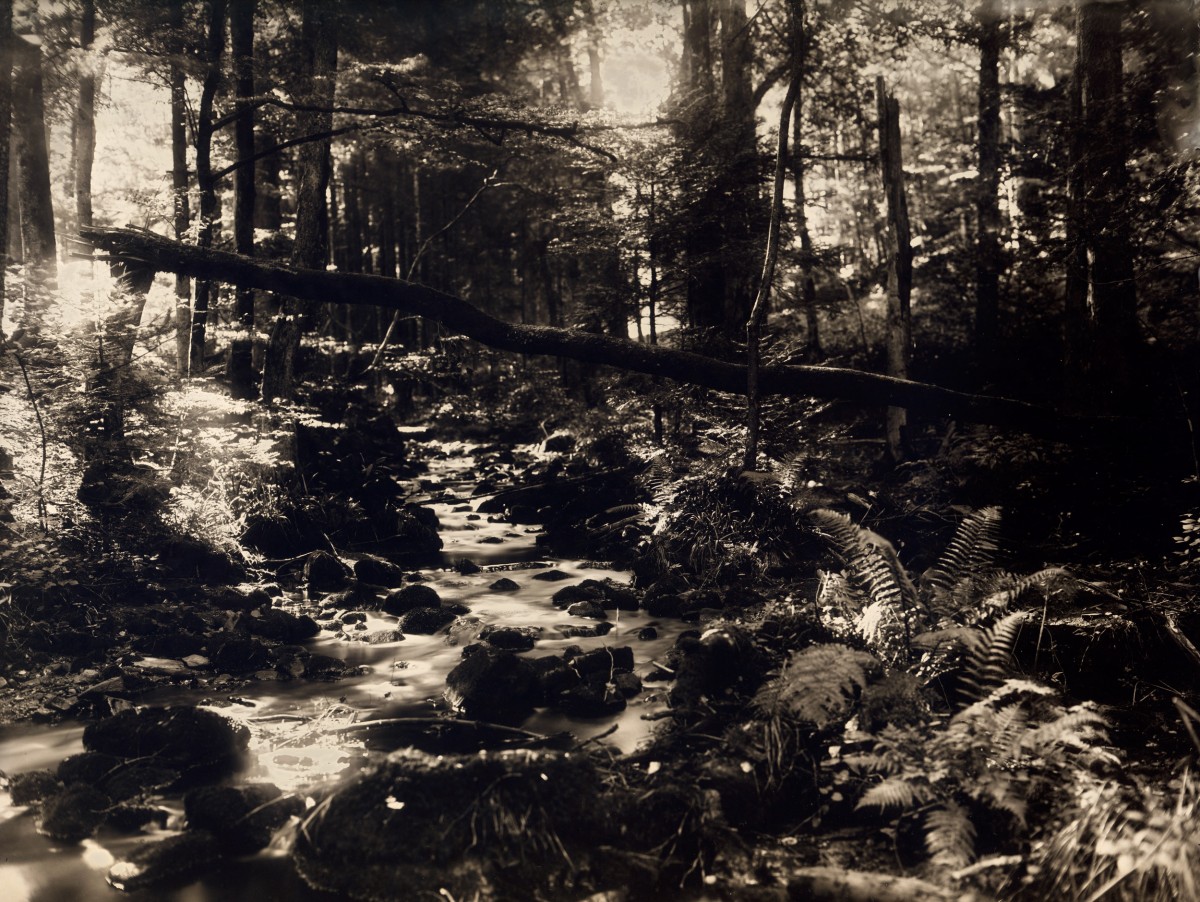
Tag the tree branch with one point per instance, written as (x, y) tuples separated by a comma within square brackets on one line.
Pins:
[(458, 315)]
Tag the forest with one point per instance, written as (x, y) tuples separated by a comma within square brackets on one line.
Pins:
[(599, 450)]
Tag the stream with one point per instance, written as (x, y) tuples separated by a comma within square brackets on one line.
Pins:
[(306, 733)]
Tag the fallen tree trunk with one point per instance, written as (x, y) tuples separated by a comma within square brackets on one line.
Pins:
[(456, 314)]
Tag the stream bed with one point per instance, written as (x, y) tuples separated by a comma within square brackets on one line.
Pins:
[(304, 733)]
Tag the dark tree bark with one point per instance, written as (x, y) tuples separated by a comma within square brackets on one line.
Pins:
[(758, 314), (85, 117), (241, 36), (459, 316), (900, 260), (33, 182), (1112, 331), (6, 98), (205, 181), (319, 49), (987, 197), (808, 285), (179, 183)]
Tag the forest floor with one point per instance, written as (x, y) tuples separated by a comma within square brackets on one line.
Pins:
[(647, 590)]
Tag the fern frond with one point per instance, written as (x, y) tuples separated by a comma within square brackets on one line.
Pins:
[(1000, 790), (816, 685), (989, 655), (950, 835), (972, 552), (1001, 595), (1078, 728), (895, 792)]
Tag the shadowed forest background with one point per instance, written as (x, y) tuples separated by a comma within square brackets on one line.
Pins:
[(599, 449)]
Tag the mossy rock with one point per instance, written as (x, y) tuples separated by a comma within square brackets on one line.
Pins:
[(180, 736)]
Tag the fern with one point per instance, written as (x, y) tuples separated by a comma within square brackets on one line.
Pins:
[(989, 656), (896, 792), (971, 554), (950, 835), (816, 685)]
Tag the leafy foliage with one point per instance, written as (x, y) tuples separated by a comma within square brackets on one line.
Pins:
[(816, 685)]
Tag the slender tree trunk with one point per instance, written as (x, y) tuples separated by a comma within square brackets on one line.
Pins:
[(6, 103), (808, 287), (1076, 317), (319, 40), (241, 36), (33, 184), (85, 117), (268, 215), (762, 300), (1116, 332), (205, 182), (987, 197), (179, 184), (899, 286)]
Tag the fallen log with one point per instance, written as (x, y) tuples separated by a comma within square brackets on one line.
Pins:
[(817, 884), (151, 251)]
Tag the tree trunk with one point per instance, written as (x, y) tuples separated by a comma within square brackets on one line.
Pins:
[(899, 284), (205, 182), (319, 47), (6, 103), (240, 370), (758, 313), (1115, 341), (33, 184), (987, 197), (85, 117), (459, 316), (179, 184), (808, 286)]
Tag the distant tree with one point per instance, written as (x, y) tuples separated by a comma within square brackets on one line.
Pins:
[(6, 98), (241, 33), (987, 196)]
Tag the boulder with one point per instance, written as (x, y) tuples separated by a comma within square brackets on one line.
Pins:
[(174, 861), (181, 736), (467, 567), (323, 571), (551, 576), (230, 653), (73, 814), (504, 584), (242, 818), (493, 684), (589, 609), (398, 832), (411, 597), (281, 626), (372, 569), (426, 621), (324, 667), (33, 786), (512, 638)]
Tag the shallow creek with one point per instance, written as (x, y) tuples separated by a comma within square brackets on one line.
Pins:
[(305, 733)]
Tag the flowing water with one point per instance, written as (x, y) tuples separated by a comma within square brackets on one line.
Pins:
[(305, 733)]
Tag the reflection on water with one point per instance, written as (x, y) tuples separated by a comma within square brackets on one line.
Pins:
[(302, 731)]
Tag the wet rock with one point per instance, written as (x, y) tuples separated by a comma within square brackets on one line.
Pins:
[(277, 536), (33, 786), (242, 818), (707, 666), (467, 567), (360, 595), (580, 631), (504, 584), (323, 571), (173, 861), (325, 667), (353, 617), (229, 598), (664, 606), (238, 654), (196, 662), (570, 594), (182, 736), (536, 826), (426, 621), (647, 632), (551, 576), (554, 677), (137, 779), (281, 626), (73, 814), (134, 818), (589, 609), (371, 569), (628, 684), (603, 661), (591, 699), (382, 636), (189, 558), (411, 597), (87, 767), (512, 638), (493, 684)]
